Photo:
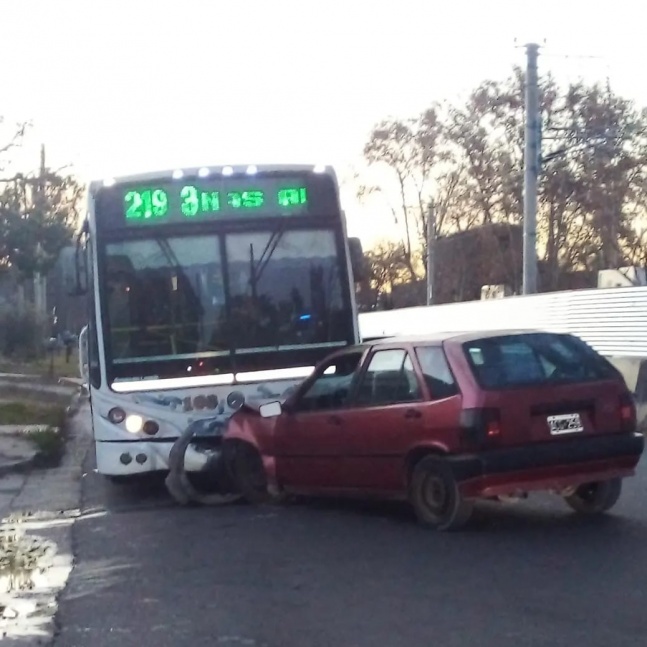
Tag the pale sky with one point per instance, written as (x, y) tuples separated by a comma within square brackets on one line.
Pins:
[(122, 86)]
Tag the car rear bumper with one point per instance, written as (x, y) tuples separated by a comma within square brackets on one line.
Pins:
[(548, 466)]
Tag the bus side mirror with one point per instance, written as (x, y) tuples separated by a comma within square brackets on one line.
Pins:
[(74, 269), (357, 260), (84, 364)]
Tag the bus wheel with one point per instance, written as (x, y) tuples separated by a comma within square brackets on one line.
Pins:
[(177, 480), (119, 480)]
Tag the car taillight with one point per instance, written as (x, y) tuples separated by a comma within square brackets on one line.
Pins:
[(493, 428), (627, 412), (480, 427)]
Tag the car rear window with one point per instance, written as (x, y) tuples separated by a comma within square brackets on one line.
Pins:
[(534, 358)]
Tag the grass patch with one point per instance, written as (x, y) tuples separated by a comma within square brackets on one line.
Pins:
[(45, 367), (30, 413), (50, 443)]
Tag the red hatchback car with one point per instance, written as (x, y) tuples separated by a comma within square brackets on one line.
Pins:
[(445, 420)]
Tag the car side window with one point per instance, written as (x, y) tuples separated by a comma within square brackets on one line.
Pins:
[(437, 374), (389, 379), (330, 390)]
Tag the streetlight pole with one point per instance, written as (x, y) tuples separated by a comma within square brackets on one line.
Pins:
[(531, 171)]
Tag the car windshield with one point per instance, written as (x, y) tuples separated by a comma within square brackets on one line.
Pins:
[(167, 297), (533, 359)]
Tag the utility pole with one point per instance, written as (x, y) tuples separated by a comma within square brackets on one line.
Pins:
[(40, 281), (531, 171), (431, 239)]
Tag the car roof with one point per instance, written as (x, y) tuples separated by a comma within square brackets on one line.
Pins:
[(438, 338)]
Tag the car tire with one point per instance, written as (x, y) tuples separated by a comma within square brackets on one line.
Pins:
[(249, 475), (435, 497), (595, 498)]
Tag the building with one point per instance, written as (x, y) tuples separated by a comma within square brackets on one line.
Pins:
[(488, 255)]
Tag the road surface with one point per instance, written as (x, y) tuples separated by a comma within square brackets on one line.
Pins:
[(343, 574)]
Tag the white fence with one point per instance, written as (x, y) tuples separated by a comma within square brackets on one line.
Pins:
[(613, 321)]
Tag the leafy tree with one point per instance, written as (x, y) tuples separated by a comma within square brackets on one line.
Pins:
[(38, 215), (388, 266), (408, 150)]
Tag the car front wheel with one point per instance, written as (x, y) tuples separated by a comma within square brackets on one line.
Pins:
[(435, 496), (595, 498), (249, 474)]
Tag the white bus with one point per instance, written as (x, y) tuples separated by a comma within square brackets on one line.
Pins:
[(208, 287)]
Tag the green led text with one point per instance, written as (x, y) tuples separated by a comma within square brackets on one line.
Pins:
[(194, 201), (245, 199), (146, 204), (291, 197)]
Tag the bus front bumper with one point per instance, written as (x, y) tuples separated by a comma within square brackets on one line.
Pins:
[(136, 457)]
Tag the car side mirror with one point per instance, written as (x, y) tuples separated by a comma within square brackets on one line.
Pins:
[(270, 409)]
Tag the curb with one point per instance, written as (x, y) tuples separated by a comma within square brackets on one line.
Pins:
[(28, 464), (76, 401), (17, 467)]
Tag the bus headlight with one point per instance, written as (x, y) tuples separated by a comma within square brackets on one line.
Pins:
[(134, 423), (116, 415)]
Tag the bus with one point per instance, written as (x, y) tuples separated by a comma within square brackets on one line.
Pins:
[(208, 288)]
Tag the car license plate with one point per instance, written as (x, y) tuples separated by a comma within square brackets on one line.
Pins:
[(567, 423)]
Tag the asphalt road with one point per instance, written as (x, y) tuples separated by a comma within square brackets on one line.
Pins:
[(342, 574)]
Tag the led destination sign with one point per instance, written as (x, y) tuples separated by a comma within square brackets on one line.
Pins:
[(201, 200), (150, 203), (166, 202)]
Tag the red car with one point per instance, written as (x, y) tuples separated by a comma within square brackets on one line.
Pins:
[(445, 420)]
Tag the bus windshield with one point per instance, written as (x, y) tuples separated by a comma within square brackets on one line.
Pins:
[(210, 295)]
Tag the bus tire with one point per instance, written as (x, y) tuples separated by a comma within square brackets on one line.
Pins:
[(118, 480)]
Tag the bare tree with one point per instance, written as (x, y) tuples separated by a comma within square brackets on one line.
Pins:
[(408, 150), (468, 159)]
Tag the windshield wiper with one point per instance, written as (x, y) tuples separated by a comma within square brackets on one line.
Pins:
[(257, 268)]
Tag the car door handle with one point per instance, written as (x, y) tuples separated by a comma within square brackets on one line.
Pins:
[(334, 420), (412, 413)]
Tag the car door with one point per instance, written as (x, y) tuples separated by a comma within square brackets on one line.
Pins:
[(311, 440), (386, 416)]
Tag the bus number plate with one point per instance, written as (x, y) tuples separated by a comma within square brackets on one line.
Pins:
[(200, 402)]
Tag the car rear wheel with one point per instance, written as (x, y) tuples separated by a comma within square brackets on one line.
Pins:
[(435, 496), (595, 498)]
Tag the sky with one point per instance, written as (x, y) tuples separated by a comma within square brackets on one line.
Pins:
[(125, 86)]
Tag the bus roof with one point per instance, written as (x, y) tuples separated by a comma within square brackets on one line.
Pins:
[(206, 171)]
